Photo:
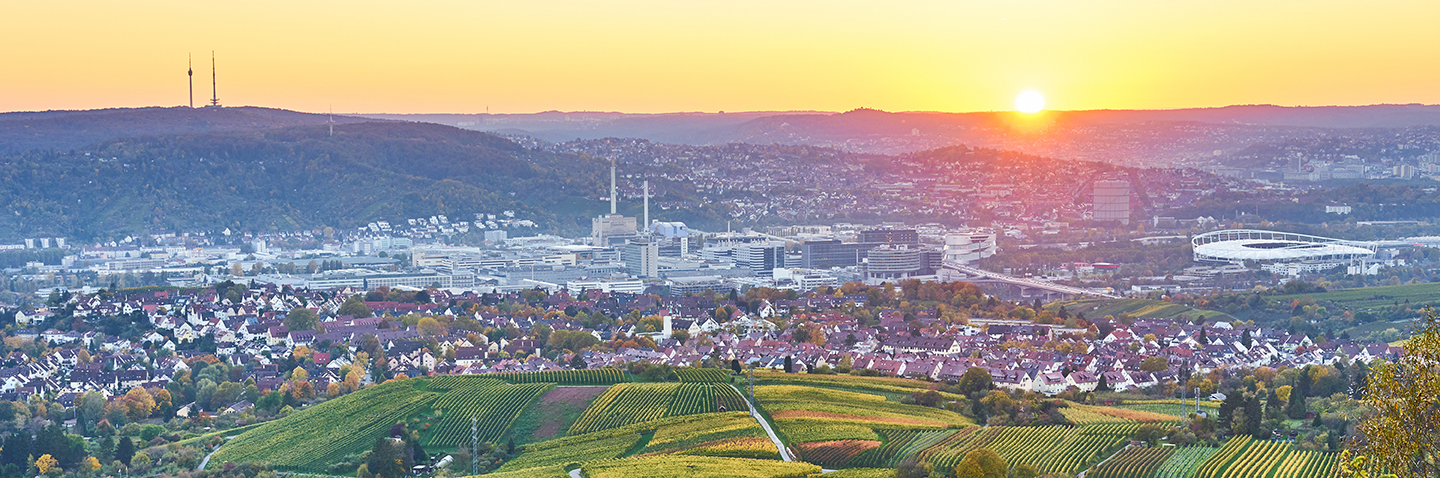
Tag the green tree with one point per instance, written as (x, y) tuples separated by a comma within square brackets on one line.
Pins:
[(355, 306), (976, 379), (302, 319)]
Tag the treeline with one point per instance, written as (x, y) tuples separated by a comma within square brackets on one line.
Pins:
[(289, 178)]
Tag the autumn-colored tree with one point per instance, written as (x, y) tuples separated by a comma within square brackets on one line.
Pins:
[(45, 463), (91, 463), (430, 326), (139, 404), (981, 463), (299, 375), (1402, 436), (301, 353)]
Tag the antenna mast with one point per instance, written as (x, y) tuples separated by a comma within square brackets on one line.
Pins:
[(214, 91), (646, 226), (190, 71), (612, 186), (331, 121)]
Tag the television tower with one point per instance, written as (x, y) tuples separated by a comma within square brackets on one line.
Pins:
[(612, 186), (190, 70), (331, 121), (214, 92)]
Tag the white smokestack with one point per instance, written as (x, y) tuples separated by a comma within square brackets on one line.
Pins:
[(646, 225)]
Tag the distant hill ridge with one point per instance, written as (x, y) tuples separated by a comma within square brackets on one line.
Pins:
[(66, 130)]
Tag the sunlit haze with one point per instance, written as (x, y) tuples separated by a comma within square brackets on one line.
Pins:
[(657, 56)]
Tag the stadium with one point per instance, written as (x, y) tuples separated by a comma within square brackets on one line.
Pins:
[(1278, 251)]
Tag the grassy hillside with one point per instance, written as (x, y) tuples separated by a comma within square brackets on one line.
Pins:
[(1139, 308)]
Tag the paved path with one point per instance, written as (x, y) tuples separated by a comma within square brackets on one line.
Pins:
[(784, 454), (575, 473), (207, 459)]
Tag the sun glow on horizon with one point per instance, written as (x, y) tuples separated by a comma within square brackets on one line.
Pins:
[(1029, 101)]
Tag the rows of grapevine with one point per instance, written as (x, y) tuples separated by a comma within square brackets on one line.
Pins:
[(1133, 462), (624, 404), (899, 444), (1258, 458), (703, 374), (1079, 451), (1220, 458), (923, 440), (592, 376), (495, 406), (318, 436), (1019, 445), (835, 454), (949, 452), (692, 398), (442, 383), (1184, 462), (1306, 464)]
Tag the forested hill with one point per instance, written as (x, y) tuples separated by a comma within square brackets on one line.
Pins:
[(287, 178), (66, 130)]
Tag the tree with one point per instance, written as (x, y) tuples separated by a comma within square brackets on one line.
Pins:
[(1025, 471), (355, 306), (302, 319), (125, 450), (1103, 386), (45, 463), (430, 326), (789, 364), (1154, 364), (577, 362), (1296, 408), (982, 463), (976, 379), (139, 404), (735, 366), (1246, 340), (1403, 434)]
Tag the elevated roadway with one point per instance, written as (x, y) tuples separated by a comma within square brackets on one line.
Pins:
[(1027, 287)]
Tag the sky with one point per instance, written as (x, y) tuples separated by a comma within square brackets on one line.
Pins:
[(474, 56)]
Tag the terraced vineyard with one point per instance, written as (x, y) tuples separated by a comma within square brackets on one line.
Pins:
[(1216, 463), (1184, 462), (899, 444), (318, 436), (1053, 449), (1308, 464), (629, 403), (495, 406), (692, 398), (835, 454), (666, 435), (625, 404), (1257, 459), (703, 374), (593, 376), (1133, 462)]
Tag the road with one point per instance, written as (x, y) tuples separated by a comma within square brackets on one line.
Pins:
[(784, 454)]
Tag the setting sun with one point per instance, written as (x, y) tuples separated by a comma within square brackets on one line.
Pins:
[(1029, 101)]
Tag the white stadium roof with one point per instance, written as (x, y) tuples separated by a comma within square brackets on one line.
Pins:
[(1237, 245)]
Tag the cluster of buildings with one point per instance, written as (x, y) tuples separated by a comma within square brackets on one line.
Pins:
[(249, 332)]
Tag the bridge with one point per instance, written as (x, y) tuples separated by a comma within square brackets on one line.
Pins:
[(1026, 288)]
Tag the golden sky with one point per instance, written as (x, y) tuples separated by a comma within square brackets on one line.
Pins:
[(679, 55)]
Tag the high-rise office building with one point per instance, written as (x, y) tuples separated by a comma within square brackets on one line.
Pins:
[(641, 258)]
